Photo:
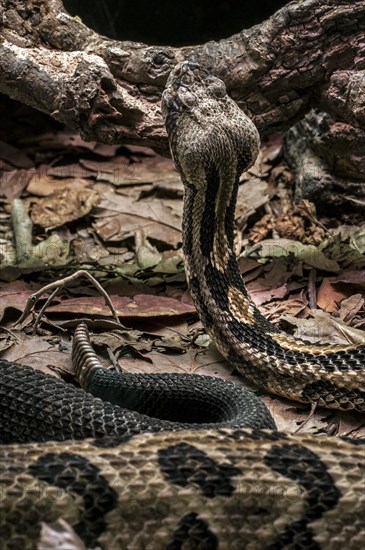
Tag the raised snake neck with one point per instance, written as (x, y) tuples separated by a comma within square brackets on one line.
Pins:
[(212, 141)]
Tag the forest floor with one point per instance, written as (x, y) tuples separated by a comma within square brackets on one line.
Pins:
[(115, 211)]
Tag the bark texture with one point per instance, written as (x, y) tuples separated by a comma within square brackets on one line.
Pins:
[(309, 54), (328, 160)]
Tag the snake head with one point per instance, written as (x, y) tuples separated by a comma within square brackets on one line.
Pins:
[(204, 124), (191, 91)]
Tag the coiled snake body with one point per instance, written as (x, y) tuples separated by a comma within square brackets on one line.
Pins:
[(213, 476)]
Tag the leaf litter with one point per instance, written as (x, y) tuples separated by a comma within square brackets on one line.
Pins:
[(116, 212)]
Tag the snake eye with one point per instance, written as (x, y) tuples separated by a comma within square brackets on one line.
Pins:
[(216, 86), (168, 100), (169, 107)]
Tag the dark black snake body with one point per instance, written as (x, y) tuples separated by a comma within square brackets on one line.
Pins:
[(36, 407), (174, 462)]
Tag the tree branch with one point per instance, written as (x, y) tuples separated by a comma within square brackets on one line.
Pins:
[(311, 53)]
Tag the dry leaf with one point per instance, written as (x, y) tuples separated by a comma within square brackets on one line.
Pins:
[(325, 329), (350, 307), (295, 307), (119, 217), (59, 535), (251, 195), (44, 185), (119, 170), (68, 171), (349, 256), (147, 255), (348, 424), (294, 417), (39, 354), (13, 182), (308, 254), (14, 295), (329, 296), (141, 305), (263, 295), (208, 362), (63, 206), (356, 278), (357, 240)]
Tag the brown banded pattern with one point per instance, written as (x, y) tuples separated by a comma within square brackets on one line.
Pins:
[(212, 141)]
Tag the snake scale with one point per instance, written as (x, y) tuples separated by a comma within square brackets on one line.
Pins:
[(188, 462)]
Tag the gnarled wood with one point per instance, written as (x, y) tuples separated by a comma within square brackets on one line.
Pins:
[(311, 53), (328, 161)]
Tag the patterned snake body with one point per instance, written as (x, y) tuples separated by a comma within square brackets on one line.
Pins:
[(212, 473), (208, 490), (212, 141)]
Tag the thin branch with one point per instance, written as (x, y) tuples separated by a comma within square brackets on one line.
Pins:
[(62, 283)]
